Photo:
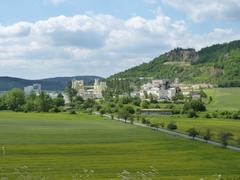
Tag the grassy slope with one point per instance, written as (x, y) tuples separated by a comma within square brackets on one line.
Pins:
[(60, 146), (224, 99)]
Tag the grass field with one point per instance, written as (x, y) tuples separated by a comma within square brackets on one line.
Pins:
[(201, 124), (224, 99), (62, 146)]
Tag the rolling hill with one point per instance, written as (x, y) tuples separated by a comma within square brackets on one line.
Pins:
[(218, 64), (51, 84)]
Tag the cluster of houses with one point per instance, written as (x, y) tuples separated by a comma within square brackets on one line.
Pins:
[(89, 92), (159, 89), (86, 92), (163, 89)]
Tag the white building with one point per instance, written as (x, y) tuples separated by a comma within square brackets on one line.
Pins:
[(96, 92), (172, 93), (98, 88), (36, 88), (159, 89)]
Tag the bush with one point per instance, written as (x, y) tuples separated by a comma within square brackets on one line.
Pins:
[(196, 105), (192, 114), (208, 135), (176, 111), (193, 132), (208, 116), (214, 114), (162, 124), (235, 115), (55, 110), (145, 121), (155, 125), (172, 126), (129, 109), (225, 137), (102, 111), (72, 112), (137, 101), (145, 104)]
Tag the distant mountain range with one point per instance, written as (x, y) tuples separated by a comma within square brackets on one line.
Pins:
[(50, 84), (218, 64)]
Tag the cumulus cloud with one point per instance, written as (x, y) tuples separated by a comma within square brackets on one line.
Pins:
[(94, 44), (199, 10)]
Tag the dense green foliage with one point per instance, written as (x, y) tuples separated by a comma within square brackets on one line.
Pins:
[(62, 146), (218, 64), (15, 100)]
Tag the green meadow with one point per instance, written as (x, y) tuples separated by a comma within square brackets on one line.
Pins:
[(64, 146), (224, 99), (201, 124)]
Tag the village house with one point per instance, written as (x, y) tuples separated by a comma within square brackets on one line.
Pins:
[(160, 89)]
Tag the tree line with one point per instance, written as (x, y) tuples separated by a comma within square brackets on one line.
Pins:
[(16, 100)]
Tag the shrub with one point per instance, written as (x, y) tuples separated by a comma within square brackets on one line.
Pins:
[(72, 111), (145, 121), (225, 137), (162, 124), (102, 111), (214, 114), (192, 114), (208, 116), (176, 111), (172, 126), (208, 135), (55, 110), (137, 101), (145, 104), (129, 109), (193, 132), (235, 115), (196, 105), (155, 125)]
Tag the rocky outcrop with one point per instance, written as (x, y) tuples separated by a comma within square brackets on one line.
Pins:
[(184, 55)]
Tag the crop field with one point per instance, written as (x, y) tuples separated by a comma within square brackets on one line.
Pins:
[(224, 99), (64, 146), (201, 124)]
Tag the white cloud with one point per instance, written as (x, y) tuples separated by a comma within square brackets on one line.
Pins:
[(199, 10), (94, 44)]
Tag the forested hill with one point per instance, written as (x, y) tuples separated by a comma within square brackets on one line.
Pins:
[(218, 64), (52, 84)]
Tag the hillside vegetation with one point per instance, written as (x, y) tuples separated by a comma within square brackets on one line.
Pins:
[(217, 64)]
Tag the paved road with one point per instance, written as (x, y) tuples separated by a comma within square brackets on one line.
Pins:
[(177, 134)]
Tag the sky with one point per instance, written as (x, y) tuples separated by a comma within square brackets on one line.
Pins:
[(50, 38)]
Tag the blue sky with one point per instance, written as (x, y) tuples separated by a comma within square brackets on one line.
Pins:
[(45, 38)]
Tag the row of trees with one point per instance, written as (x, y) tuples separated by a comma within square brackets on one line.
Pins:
[(16, 100), (224, 137)]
